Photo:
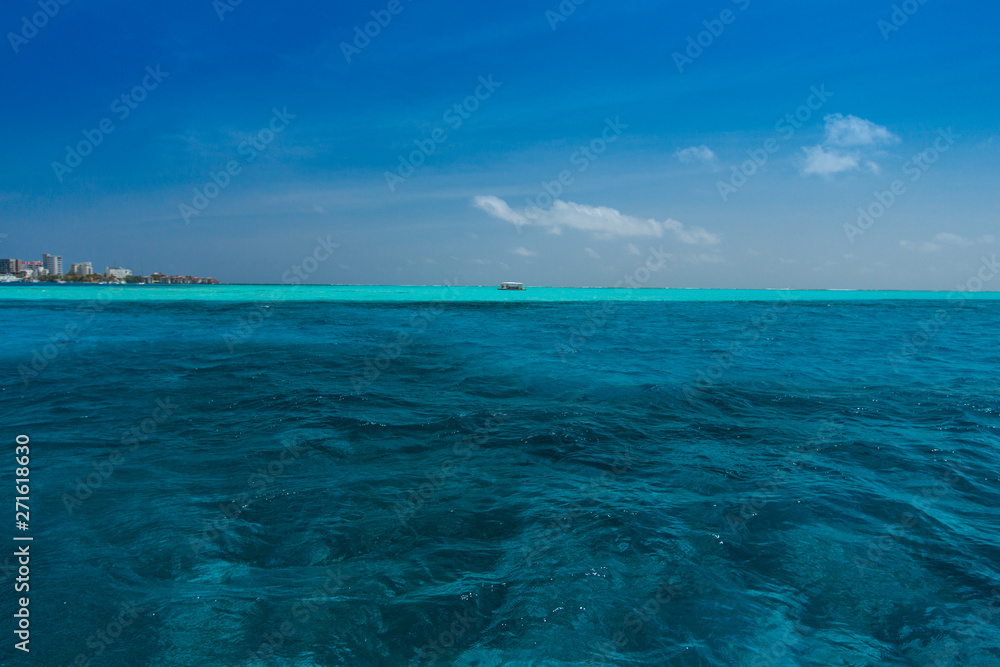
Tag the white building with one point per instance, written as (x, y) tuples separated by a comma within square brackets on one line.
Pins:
[(52, 264), (32, 269), (81, 269), (117, 272)]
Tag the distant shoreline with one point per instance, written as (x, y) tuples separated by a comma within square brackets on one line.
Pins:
[(489, 293), (528, 289)]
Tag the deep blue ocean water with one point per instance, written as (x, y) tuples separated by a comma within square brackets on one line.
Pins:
[(257, 480)]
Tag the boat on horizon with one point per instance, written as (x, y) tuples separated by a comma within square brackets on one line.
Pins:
[(519, 287)]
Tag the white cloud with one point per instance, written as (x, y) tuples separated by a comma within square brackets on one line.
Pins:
[(852, 132), (498, 209), (696, 154), (603, 222), (849, 143), (592, 253), (941, 241), (634, 249), (873, 167), (952, 239), (524, 252), (827, 162)]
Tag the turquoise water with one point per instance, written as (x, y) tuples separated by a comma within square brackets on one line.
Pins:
[(403, 293), (304, 477)]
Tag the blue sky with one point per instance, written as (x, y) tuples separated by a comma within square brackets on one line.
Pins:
[(646, 149)]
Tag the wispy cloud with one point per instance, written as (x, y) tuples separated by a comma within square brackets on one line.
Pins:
[(701, 153), (498, 208), (946, 240), (524, 252), (603, 222), (824, 162), (851, 131), (478, 261), (592, 253), (849, 144)]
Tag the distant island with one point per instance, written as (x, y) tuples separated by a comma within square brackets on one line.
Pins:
[(50, 270)]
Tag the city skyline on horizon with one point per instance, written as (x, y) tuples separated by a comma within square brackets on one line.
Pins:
[(55, 265)]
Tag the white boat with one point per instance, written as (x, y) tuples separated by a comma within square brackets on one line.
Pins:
[(512, 286)]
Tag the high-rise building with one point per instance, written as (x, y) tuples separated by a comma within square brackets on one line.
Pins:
[(81, 269), (52, 264), (9, 266)]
